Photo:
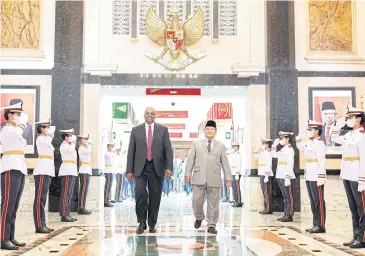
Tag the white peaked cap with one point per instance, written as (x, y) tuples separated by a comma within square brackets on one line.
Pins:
[(45, 121), (266, 140), (15, 107), (354, 111), (281, 133), (69, 131), (83, 136), (312, 123)]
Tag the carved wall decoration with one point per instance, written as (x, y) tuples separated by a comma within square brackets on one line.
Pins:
[(20, 24), (144, 5), (121, 17), (205, 5), (330, 24), (228, 17)]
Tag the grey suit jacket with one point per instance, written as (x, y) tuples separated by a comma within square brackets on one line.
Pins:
[(161, 150), (206, 167)]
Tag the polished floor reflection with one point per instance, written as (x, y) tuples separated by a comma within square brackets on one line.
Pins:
[(111, 232)]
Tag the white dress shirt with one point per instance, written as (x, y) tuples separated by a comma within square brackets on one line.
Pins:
[(85, 159), (211, 144), (69, 158), (147, 127)]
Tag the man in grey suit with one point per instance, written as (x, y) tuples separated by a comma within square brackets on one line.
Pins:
[(149, 161), (207, 157)]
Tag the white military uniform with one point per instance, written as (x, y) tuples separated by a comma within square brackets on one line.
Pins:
[(13, 146), (353, 173), (45, 163), (264, 158), (69, 159), (285, 156), (315, 159), (235, 163), (119, 162), (109, 162), (85, 159)]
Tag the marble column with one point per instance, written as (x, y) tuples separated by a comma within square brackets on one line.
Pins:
[(282, 78), (66, 84)]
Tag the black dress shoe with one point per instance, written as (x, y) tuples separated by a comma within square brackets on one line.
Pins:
[(318, 230), (141, 228), (197, 224), (212, 230), (349, 242), (7, 245), (287, 219), (108, 205), (84, 212), (50, 229), (75, 219), (357, 245), (67, 219), (113, 201), (43, 230), (309, 229), (281, 218), (16, 243), (152, 229), (236, 205), (266, 212)]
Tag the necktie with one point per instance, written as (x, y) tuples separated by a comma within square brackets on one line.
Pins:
[(209, 147), (149, 144), (328, 136)]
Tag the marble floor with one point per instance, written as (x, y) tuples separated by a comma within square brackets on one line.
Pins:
[(111, 232)]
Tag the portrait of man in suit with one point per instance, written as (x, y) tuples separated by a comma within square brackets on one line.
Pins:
[(329, 114)]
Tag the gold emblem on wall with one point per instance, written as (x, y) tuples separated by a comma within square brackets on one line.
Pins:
[(330, 24), (20, 24), (175, 38)]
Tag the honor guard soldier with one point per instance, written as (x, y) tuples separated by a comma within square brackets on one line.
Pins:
[(315, 174), (263, 155), (235, 164), (353, 171), (68, 173), (13, 171), (285, 172), (85, 170), (43, 173), (119, 173), (109, 174)]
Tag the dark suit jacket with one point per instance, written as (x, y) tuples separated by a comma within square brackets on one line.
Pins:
[(161, 150)]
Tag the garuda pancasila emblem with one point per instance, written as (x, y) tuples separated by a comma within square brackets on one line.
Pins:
[(175, 38)]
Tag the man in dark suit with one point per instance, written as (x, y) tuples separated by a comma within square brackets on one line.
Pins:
[(149, 160)]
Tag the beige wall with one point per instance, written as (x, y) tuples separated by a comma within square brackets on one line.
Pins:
[(90, 100), (258, 120), (45, 83), (305, 82)]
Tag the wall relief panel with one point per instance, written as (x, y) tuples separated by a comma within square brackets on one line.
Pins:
[(330, 24), (20, 24)]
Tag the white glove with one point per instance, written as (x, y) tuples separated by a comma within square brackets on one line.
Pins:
[(320, 182), (298, 139), (51, 130), (25, 117), (287, 182), (73, 138), (276, 142), (89, 141), (236, 177), (266, 180), (361, 187)]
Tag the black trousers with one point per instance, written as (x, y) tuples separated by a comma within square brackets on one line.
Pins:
[(148, 202), (119, 186), (67, 187), (42, 183), (288, 197), (318, 205), (356, 203), (12, 186), (84, 188), (236, 189), (109, 177), (266, 190)]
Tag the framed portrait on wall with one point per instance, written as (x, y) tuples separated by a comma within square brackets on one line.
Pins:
[(328, 106), (29, 96)]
